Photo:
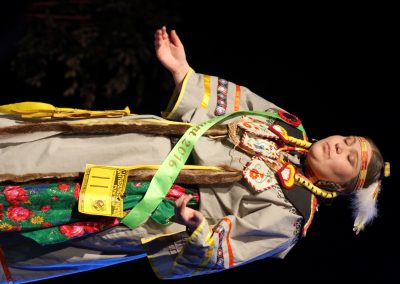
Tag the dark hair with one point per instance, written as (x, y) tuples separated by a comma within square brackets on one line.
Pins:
[(374, 171)]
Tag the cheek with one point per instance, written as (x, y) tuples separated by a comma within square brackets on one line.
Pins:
[(342, 170), (320, 168)]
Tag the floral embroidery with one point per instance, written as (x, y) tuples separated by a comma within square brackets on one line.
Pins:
[(47, 225), (45, 208), (256, 127), (177, 191), (15, 195), (37, 207), (37, 220), (46, 212), (77, 190), (259, 175), (72, 230), (260, 146), (5, 227), (17, 228), (63, 186), (18, 214)]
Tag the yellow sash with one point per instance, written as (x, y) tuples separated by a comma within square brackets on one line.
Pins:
[(44, 110)]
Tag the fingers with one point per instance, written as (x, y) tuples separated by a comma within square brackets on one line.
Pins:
[(157, 38), (161, 37), (181, 215), (161, 34), (182, 201), (178, 202), (164, 33), (175, 39)]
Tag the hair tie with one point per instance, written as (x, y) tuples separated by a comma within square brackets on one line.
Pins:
[(386, 169)]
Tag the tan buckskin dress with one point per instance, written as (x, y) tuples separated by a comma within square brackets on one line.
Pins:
[(241, 225)]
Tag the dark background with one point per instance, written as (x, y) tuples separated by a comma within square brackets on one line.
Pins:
[(334, 67)]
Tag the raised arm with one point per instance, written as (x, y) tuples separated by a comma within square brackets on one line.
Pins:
[(171, 53), (210, 96)]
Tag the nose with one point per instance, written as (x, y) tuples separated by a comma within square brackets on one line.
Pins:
[(340, 148)]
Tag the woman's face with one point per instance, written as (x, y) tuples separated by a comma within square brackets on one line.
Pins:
[(336, 158)]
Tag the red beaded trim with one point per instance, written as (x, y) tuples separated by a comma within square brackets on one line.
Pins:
[(364, 163), (289, 118)]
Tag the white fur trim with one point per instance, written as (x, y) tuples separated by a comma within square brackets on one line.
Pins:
[(364, 206)]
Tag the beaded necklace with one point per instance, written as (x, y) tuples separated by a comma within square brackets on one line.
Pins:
[(275, 157)]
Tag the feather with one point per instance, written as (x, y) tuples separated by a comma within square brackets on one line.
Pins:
[(364, 206)]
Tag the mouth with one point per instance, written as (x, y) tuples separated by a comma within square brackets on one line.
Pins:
[(327, 149)]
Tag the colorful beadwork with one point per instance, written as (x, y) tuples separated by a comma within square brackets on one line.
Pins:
[(259, 175), (260, 146), (222, 97), (220, 253), (364, 163), (256, 127), (280, 131), (286, 175), (289, 118)]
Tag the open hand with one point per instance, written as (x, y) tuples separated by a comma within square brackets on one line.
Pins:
[(171, 53)]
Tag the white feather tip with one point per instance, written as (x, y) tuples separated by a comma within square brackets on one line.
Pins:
[(364, 206)]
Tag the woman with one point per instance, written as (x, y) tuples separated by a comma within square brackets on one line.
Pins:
[(232, 221)]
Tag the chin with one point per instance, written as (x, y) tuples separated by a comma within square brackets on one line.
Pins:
[(315, 151), (314, 158)]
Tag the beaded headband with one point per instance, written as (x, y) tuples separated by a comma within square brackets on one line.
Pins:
[(364, 163)]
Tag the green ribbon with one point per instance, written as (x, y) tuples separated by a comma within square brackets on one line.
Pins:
[(172, 165)]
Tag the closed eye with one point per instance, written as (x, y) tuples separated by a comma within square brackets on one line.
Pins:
[(350, 140)]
